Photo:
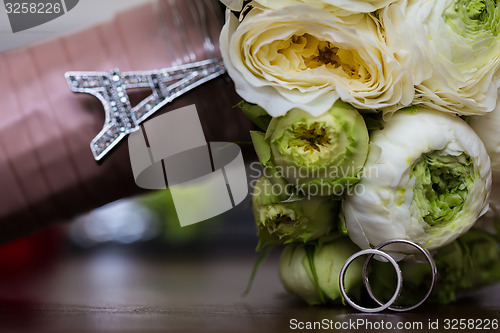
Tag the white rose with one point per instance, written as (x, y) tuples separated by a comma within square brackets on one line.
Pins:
[(451, 49), (307, 58)]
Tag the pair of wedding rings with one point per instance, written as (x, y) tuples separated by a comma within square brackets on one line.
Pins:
[(399, 284)]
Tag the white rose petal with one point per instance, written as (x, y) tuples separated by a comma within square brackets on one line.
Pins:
[(307, 58), (339, 7), (235, 5)]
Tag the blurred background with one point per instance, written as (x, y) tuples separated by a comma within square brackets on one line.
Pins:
[(144, 222), (87, 13), (128, 255)]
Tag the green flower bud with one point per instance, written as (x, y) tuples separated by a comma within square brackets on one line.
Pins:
[(312, 272), (282, 222)]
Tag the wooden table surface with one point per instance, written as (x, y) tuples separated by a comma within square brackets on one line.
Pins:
[(123, 291)]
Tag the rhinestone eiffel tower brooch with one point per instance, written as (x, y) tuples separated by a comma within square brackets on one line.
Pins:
[(111, 89)]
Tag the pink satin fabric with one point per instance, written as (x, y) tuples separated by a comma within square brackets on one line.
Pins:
[(47, 172)]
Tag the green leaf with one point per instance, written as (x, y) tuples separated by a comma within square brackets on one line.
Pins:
[(294, 197), (260, 259), (373, 122), (310, 258), (256, 114), (261, 146)]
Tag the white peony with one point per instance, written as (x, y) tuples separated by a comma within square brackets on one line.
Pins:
[(427, 179), (307, 58), (451, 49)]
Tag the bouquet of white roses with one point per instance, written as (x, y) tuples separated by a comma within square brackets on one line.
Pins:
[(379, 120)]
